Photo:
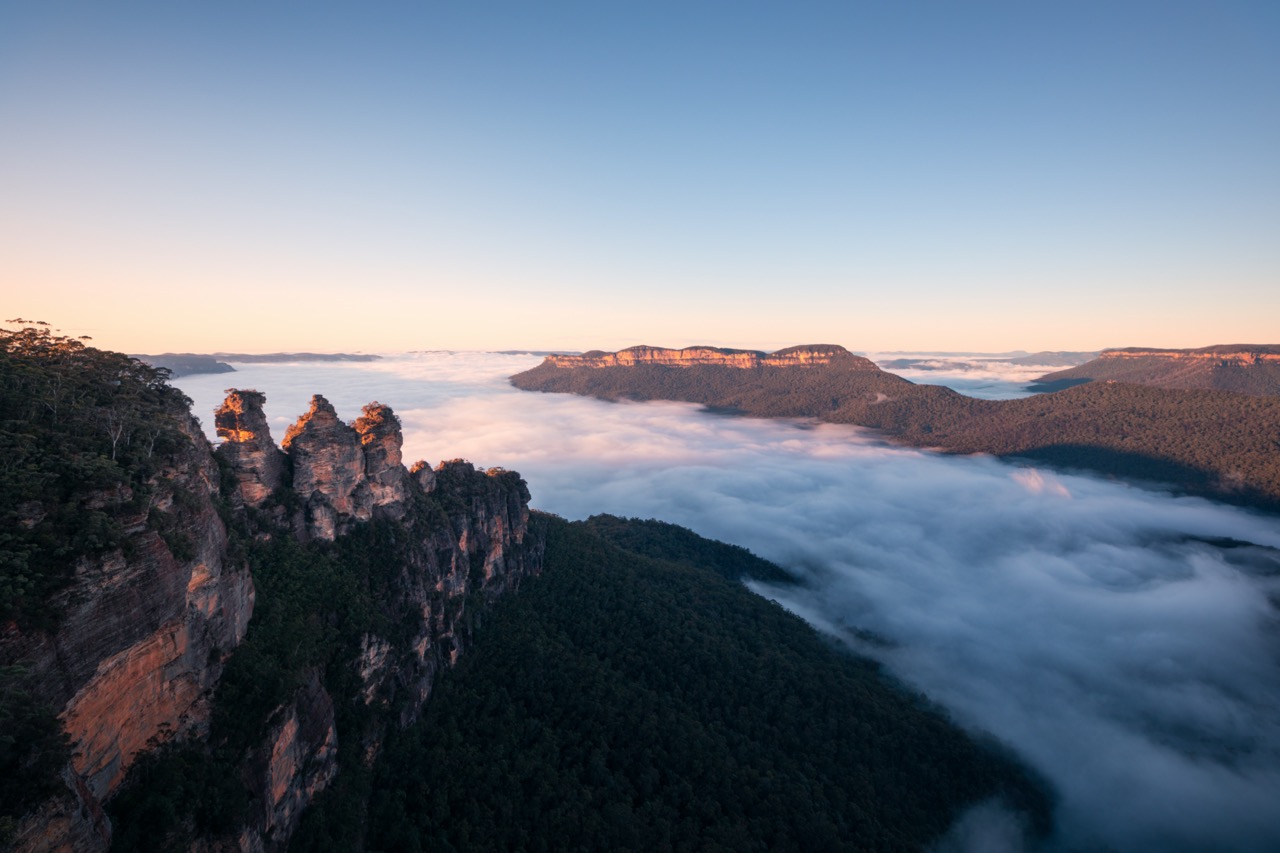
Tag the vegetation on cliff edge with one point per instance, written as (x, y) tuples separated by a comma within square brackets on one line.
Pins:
[(82, 431)]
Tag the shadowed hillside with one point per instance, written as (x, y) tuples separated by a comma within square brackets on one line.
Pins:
[(1242, 368)]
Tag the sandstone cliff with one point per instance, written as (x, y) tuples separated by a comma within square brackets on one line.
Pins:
[(143, 634), (146, 630), (1242, 368), (252, 456), (451, 538), (799, 356)]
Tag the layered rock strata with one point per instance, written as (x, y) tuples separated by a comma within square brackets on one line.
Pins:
[(253, 457), (346, 474), (148, 627), (800, 356), (141, 644)]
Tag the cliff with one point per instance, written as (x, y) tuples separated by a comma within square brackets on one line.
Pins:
[(1241, 368), (129, 591), (144, 598), (799, 356)]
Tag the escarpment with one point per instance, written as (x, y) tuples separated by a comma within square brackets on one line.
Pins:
[(153, 643), (130, 650), (1240, 368), (799, 356)]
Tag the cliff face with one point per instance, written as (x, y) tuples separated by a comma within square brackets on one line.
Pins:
[(469, 541), (1242, 368), (143, 636), (148, 628), (800, 356)]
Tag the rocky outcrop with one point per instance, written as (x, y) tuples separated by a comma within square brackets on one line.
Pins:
[(298, 759), (143, 636), (799, 356), (384, 472), (146, 628), (247, 447), (344, 473), (469, 541), (328, 467)]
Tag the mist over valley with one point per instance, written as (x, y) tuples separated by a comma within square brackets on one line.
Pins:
[(1121, 640)]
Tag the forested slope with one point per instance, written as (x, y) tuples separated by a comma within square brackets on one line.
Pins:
[(626, 702), (1242, 368)]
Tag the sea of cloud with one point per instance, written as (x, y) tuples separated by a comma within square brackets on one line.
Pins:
[(1123, 642), (990, 377)]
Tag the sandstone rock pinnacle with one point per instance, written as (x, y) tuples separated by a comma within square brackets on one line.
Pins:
[(257, 462)]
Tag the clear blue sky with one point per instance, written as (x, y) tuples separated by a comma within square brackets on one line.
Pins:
[(894, 175)]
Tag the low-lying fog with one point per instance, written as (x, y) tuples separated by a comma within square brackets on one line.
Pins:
[(1101, 631), (991, 377)]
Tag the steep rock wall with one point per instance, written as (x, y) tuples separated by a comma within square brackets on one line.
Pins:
[(253, 457), (147, 628), (140, 646), (800, 356), (463, 538)]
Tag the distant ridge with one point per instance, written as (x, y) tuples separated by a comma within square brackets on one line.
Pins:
[(191, 363), (1242, 368), (799, 356), (1205, 442)]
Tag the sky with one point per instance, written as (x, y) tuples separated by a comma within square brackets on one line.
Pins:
[(887, 176), (1098, 630)]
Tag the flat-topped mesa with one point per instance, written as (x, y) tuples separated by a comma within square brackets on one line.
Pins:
[(1243, 354), (254, 458), (807, 355)]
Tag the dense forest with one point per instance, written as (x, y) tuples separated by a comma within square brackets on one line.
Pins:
[(82, 431), (637, 696), (1213, 443)]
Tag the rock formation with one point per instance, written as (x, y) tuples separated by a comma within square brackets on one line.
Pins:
[(141, 643), (247, 446), (384, 472), (800, 356), (147, 628)]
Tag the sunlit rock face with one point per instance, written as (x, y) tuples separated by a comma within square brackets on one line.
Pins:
[(1220, 354), (147, 628), (800, 356), (141, 644), (247, 446), (381, 440), (342, 473), (326, 456)]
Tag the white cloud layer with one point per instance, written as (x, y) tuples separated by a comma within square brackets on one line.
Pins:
[(989, 377), (1103, 632)]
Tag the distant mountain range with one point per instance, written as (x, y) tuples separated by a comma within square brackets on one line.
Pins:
[(1243, 368), (1205, 442), (190, 363), (931, 360)]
